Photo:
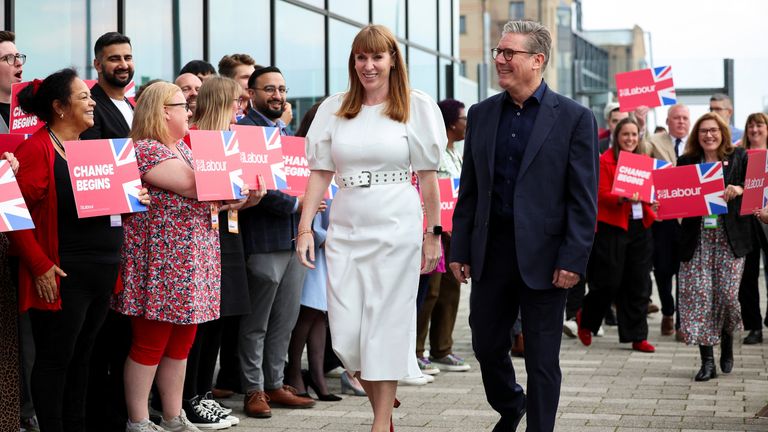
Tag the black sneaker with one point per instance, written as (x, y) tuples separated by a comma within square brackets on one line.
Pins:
[(202, 417)]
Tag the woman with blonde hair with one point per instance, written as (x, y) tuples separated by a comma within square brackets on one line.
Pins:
[(170, 262), (371, 137)]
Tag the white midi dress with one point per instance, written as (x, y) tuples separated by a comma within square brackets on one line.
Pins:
[(373, 248)]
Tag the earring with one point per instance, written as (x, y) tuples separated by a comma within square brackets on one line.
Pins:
[(61, 115)]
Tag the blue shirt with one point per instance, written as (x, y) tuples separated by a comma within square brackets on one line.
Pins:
[(515, 128), (736, 134)]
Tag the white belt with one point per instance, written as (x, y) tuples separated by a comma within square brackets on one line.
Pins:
[(369, 178)]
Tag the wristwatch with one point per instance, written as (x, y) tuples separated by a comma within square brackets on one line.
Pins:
[(436, 230)]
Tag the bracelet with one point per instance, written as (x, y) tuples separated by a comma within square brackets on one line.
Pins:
[(302, 232)]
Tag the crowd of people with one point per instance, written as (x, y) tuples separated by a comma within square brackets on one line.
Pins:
[(124, 318)]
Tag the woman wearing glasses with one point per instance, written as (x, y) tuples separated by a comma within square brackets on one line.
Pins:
[(170, 262), (712, 250), (371, 137), (69, 266)]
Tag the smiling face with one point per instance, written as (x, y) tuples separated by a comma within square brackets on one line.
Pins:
[(523, 70), (628, 137), (190, 87), (266, 96), (79, 110), (177, 117), (757, 133), (373, 70), (710, 136), (115, 65)]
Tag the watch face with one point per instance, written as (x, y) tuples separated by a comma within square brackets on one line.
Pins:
[(437, 229)]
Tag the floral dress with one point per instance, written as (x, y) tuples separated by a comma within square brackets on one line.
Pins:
[(171, 268)]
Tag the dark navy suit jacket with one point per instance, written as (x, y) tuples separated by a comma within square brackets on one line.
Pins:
[(271, 225), (108, 121), (555, 207)]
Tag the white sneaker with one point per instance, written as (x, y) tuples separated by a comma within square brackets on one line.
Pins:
[(413, 381), (570, 328), (429, 378), (178, 424), (143, 426), (600, 332)]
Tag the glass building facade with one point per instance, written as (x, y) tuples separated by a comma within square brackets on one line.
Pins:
[(308, 40)]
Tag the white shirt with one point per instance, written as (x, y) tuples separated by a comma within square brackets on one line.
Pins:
[(125, 110)]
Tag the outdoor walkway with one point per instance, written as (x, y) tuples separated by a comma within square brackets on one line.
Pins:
[(606, 388)]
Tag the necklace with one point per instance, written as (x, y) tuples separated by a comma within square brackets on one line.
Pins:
[(56, 141)]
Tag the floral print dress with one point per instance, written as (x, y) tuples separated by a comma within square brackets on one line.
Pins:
[(171, 269)]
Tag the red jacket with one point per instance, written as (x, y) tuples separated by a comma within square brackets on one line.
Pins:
[(38, 248), (609, 209)]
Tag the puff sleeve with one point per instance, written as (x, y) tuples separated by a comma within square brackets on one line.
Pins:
[(318, 140), (426, 132)]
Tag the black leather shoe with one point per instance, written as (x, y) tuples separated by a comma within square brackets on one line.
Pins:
[(726, 352), (707, 371), (754, 337), (510, 423)]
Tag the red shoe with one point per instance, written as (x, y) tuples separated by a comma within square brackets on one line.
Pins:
[(585, 335), (643, 346)]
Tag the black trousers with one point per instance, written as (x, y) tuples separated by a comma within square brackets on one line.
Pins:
[(666, 261), (63, 343), (228, 377), (749, 292), (575, 299), (201, 361), (494, 300), (620, 272)]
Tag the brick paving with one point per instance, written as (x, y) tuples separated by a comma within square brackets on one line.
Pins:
[(606, 388)]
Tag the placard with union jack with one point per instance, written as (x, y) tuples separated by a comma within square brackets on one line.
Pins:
[(218, 170), (650, 87), (14, 215), (104, 176), (756, 182), (633, 175), (690, 190), (261, 153)]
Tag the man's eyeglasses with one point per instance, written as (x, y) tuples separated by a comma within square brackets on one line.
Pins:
[(270, 90), (508, 53), (185, 105), (713, 131), (11, 59)]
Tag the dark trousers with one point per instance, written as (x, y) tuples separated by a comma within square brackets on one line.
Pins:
[(63, 343), (493, 301), (575, 299), (749, 292), (666, 261), (201, 360), (619, 271), (437, 316), (228, 377)]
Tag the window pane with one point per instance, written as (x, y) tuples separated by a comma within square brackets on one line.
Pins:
[(443, 90), (422, 25), (390, 13), (353, 9), (340, 41), (103, 20), (422, 73), (516, 10), (316, 3), (191, 30), (151, 37), (300, 56), (231, 36), (446, 27)]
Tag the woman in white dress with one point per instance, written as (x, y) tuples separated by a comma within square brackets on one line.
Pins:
[(371, 137)]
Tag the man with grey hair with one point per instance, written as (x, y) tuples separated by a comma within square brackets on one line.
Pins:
[(721, 105), (524, 223)]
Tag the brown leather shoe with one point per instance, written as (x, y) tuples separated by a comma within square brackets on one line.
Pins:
[(667, 326), (518, 347), (255, 405), (286, 397), (652, 308), (221, 393)]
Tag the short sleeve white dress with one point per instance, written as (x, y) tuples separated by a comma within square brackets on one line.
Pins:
[(373, 248)]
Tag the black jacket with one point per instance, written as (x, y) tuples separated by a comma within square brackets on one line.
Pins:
[(108, 121), (738, 229)]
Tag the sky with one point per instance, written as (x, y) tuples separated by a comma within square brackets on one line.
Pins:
[(694, 36)]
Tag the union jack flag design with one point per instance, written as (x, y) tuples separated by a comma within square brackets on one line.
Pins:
[(650, 87), (665, 87), (14, 215), (126, 171), (261, 154), (455, 187), (657, 165), (712, 173), (690, 190), (218, 169)]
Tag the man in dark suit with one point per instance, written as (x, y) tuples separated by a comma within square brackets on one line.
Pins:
[(524, 223), (113, 61), (275, 277)]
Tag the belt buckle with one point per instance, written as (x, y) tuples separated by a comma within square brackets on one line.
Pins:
[(370, 179)]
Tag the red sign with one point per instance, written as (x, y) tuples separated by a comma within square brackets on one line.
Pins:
[(756, 182), (104, 175), (21, 122), (296, 167), (261, 153), (650, 87), (690, 190), (634, 175), (218, 170), (449, 193), (14, 215), (9, 142)]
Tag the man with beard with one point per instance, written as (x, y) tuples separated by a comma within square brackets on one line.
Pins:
[(190, 87), (112, 118), (275, 277), (11, 68), (113, 61)]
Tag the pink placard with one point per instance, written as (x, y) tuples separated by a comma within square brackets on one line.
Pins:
[(756, 182), (634, 175), (296, 167), (104, 175), (261, 154), (690, 190), (218, 170), (20, 121), (645, 87), (449, 193), (14, 215)]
